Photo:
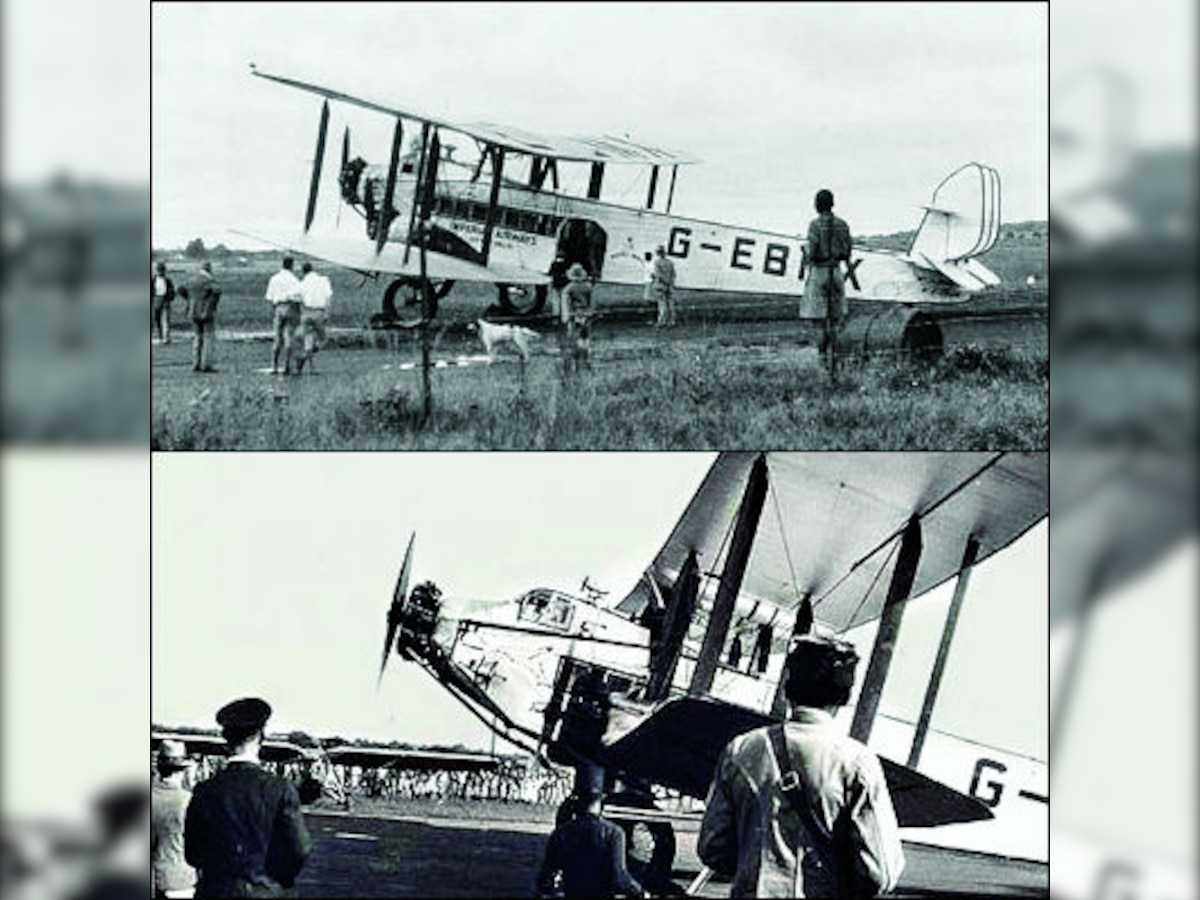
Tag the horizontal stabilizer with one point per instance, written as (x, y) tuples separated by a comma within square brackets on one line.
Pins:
[(680, 744), (966, 273), (358, 254)]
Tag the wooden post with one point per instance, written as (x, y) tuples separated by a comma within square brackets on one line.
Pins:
[(731, 577), (889, 631), (939, 665)]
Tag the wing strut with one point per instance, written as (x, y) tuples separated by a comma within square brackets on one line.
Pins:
[(731, 577), (497, 154), (653, 187), (889, 631), (319, 158), (671, 191), (679, 612), (412, 213), (389, 191), (939, 665)]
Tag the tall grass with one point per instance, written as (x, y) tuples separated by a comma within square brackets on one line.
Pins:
[(701, 399)]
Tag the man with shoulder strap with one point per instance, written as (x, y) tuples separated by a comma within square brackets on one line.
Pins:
[(244, 831), (800, 809), (824, 300)]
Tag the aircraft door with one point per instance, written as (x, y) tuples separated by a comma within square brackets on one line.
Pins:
[(583, 241)]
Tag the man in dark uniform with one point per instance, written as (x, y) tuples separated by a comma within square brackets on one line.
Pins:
[(824, 299), (244, 831), (587, 850)]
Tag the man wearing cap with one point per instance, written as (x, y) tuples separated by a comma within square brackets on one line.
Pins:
[(577, 313), (169, 799), (203, 296), (245, 832), (586, 850), (662, 287), (824, 300), (800, 809), (285, 296)]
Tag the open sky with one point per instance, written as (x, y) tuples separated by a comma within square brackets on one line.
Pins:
[(272, 575), (877, 101)]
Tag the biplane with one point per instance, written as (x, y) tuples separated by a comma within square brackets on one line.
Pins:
[(503, 215), (652, 687)]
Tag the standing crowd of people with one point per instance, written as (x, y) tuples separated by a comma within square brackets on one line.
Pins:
[(795, 809)]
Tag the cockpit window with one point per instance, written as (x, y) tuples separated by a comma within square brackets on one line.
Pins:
[(547, 608)]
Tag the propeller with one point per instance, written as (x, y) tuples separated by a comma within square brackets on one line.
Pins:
[(398, 598), (315, 182)]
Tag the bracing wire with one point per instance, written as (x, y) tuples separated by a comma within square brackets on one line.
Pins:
[(874, 581), (787, 550)]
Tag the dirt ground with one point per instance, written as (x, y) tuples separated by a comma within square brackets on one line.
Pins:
[(436, 854)]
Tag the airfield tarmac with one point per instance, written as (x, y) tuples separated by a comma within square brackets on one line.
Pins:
[(438, 853)]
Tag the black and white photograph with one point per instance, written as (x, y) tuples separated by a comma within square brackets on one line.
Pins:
[(575, 674), (599, 226)]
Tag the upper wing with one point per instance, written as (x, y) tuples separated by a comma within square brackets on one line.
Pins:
[(359, 254), (832, 521), (598, 149)]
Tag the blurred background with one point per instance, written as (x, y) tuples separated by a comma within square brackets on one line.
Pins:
[(76, 546)]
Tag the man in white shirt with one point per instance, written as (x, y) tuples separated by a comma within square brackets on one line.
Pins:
[(162, 291), (316, 292), (283, 293)]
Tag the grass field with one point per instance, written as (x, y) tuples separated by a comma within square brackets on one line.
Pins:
[(693, 395), (737, 375)]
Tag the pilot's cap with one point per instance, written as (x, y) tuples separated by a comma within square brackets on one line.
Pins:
[(577, 272), (161, 268), (820, 671), (589, 781), (824, 200), (206, 266), (173, 755), (244, 715)]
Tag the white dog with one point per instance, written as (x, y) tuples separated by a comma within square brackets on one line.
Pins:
[(493, 335)]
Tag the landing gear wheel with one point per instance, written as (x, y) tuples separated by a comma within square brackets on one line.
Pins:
[(521, 301), (404, 310)]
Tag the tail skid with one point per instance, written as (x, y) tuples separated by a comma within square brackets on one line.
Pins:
[(962, 221)]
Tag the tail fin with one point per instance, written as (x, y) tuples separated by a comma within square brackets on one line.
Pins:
[(961, 221)]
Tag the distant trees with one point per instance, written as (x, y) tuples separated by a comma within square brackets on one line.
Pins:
[(195, 249)]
